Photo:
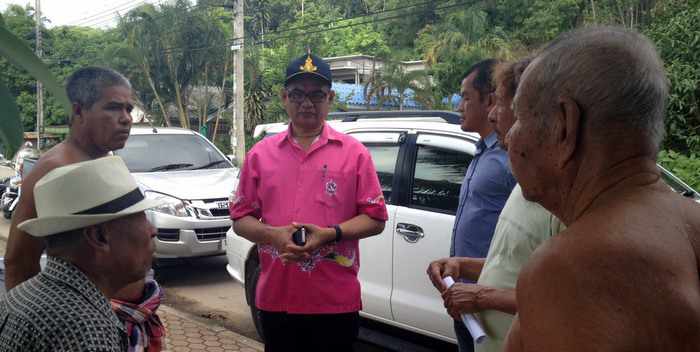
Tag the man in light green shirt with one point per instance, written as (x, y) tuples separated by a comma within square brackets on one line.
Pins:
[(521, 228)]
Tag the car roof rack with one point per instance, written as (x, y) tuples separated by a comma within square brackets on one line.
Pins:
[(352, 116)]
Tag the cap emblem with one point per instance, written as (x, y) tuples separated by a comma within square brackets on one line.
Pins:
[(308, 65)]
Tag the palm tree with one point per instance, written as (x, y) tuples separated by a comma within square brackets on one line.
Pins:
[(392, 83)]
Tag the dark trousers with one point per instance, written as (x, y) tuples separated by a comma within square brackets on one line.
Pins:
[(464, 338), (309, 332)]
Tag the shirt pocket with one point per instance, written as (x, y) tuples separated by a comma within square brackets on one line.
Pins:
[(334, 197)]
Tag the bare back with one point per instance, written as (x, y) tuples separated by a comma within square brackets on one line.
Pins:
[(623, 277), (23, 250)]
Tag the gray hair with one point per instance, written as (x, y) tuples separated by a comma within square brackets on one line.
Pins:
[(614, 74), (84, 86)]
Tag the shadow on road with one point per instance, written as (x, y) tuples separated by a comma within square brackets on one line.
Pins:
[(192, 272)]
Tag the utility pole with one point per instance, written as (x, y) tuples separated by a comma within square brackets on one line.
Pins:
[(237, 128), (39, 86)]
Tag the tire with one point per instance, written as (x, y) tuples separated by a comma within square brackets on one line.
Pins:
[(251, 283), (7, 214)]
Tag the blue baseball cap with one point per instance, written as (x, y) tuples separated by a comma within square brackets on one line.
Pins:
[(311, 66)]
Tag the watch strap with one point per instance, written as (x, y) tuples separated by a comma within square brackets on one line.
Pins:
[(338, 233)]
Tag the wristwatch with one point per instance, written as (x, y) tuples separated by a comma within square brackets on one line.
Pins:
[(338, 233)]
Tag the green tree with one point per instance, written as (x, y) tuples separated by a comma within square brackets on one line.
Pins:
[(462, 38), (676, 32), (172, 45)]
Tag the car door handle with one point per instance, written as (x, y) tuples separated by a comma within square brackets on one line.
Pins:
[(411, 233)]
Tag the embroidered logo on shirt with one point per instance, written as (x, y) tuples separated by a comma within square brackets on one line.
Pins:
[(331, 187), (378, 200)]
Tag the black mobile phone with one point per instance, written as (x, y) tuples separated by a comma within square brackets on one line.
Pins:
[(299, 236)]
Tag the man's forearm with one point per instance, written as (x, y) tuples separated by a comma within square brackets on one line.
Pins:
[(502, 300), (470, 268), (361, 226), (251, 229)]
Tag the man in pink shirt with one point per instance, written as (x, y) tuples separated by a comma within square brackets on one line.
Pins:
[(325, 181)]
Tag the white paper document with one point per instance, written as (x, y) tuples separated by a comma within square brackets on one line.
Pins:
[(469, 320)]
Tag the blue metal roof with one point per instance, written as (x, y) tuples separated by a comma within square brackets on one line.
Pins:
[(354, 96)]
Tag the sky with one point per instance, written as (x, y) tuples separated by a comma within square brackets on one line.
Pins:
[(92, 13)]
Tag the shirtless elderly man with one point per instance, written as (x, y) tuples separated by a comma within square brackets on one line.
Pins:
[(100, 122), (624, 276)]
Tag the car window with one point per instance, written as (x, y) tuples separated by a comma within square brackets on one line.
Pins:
[(384, 157), (438, 178), (169, 152), (384, 148)]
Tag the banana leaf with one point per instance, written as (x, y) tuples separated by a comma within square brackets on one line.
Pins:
[(19, 54), (10, 123)]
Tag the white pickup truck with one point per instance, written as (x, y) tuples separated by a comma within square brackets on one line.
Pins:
[(421, 158)]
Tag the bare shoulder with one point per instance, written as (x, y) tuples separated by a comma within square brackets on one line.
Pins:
[(621, 268), (690, 211), (558, 294), (61, 155)]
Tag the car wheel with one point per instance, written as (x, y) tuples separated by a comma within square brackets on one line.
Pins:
[(251, 283), (7, 214)]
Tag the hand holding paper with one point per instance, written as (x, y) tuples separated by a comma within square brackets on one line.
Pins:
[(469, 320)]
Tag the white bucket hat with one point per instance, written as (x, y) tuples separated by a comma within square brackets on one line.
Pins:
[(84, 194)]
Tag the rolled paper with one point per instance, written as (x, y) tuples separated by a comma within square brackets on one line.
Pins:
[(469, 320)]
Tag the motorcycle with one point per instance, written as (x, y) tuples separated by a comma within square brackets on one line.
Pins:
[(13, 189), (10, 197)]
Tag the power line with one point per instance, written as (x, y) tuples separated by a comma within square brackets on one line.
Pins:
[(157, 17), (295, 29), (103, 12), (354, 18), (314, 25), (109, 12), (110, 18)]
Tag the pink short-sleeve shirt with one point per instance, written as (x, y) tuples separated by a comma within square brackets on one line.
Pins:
[(331, 183)]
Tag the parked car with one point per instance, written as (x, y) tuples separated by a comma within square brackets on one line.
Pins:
[(196, 180), (421, 159)]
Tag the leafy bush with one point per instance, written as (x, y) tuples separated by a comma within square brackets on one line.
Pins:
[(687, 168)]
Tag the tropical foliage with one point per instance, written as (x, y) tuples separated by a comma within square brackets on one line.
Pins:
[(17, 53)]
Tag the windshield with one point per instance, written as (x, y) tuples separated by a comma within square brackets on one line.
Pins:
[(169, 152)]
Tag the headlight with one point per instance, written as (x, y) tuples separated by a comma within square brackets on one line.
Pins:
[(172, 206)]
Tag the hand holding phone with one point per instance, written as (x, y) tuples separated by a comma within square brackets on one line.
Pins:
[(299, 237)]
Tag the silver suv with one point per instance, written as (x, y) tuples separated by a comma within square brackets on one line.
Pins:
[(196, 180)]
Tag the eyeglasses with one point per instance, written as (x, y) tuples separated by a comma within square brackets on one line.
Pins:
[(298, 96)]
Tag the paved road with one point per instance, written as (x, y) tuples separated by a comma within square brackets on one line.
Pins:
[(202, 287)]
